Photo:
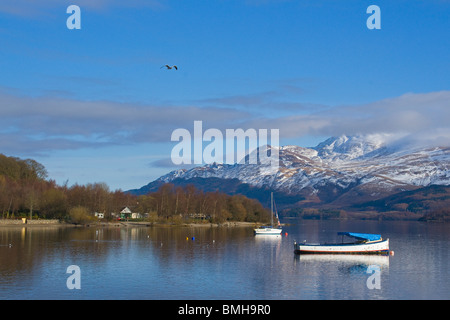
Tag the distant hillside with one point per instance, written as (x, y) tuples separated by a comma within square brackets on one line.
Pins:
[(228, 186), (432, 201)]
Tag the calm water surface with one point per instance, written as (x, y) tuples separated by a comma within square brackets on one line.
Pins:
[(221, 263)]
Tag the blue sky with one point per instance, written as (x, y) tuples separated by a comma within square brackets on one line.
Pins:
[(93, 105)]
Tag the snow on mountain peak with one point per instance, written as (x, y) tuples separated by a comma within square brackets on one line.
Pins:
[(350, 147)]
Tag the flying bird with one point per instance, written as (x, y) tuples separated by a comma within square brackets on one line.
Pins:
[(169, 67)]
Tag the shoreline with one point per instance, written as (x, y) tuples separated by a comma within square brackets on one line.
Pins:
[(57, 223), (159, 224)]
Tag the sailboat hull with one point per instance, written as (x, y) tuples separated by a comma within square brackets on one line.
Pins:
[(267, 231)]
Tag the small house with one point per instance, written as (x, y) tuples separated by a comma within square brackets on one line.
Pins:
[(125, 213), (99, 215), (136, 215)]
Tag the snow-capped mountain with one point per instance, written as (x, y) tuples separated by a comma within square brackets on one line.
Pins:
[(340, 170)]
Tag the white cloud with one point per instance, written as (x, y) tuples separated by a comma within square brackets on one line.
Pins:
[(414, 115), (42, 124)]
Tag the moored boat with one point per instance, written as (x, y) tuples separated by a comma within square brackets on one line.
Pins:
[(267, 231), (364, 243), (271, 230)]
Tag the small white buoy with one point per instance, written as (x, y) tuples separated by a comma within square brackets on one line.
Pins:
[(391, 252)]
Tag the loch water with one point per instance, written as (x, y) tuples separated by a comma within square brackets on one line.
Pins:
[(221, 263)]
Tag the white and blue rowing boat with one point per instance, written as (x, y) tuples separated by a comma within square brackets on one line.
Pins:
[(364, 243)]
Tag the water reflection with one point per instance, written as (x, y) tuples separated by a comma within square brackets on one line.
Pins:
[(343, 263), (218, 263), (345, 259)]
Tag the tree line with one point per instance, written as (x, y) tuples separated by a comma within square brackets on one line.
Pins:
[(26, 191), (176, 203)]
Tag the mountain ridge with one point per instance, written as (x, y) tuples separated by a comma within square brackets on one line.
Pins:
[(340, 172)]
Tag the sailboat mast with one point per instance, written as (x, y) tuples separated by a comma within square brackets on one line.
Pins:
[(271, 208)]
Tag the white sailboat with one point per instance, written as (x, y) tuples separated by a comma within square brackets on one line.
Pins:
[(271, 230)]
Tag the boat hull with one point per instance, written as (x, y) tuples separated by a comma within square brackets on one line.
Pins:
[(375, 247), (267, 231)]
